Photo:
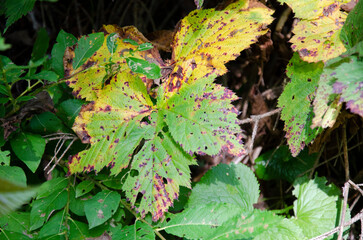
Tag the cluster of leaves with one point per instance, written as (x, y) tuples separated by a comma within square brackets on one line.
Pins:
[(325, 72), (142, 119)]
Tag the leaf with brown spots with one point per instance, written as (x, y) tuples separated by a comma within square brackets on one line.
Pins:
[(89, 79), (295, 102), (207, 39)]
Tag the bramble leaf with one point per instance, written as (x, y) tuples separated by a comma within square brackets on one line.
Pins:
[(349, 84), (352, 31), (86, 47), (138, 231), (14, 10), (103, 65), (319, 39), (207, 39), (296, 100)]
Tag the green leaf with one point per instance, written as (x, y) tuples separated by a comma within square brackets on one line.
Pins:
[(352, 31), (132, 42), (257, 225), (318, 206), (4, 158), (76, 205), (235, 184), (12, 72), (279, 164), (17, 222), (50, 198), (45, 75), (12, 195), (138, 231), (349, 84), (14, 10), (29, 148), (68, 110), (101, 207), (55, 226), (111, 42), (145, 46), (4, 90), (202, 119), (199, 221), (3, 45), (13, 174), (295, 102), (46, 123), (149, 69), (40, 46), (84, 187), (64, 40), (86, 47), (24, 98), (78, 230)]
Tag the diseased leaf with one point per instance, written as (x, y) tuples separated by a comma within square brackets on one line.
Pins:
[(4, 158), (84, 187), (101, 207), (202, 119), (55, 226), (295, 102), (16, 226), (150, 70), (319, 39), (111, 42), (318, 206), (105, 67), (207, 39), (312, 9), (86, 47), (349, 84)]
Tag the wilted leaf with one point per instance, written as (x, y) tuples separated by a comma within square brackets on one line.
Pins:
[(319, 39), (296, 103)]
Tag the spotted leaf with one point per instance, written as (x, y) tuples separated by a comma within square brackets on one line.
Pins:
[(296, 103), (207, 39)]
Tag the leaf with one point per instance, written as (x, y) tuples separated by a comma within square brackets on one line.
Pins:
[(207, 39), (4, 90), (64, 40), (150, 70), (13, 174), (13, 195), (45, 75), (14, 10), (257, 225), (138, 231), (105, 67), (40, 46), (86, 47), (318, 206), (78, 230), (312, 9), (202, 119), (29, 148), (199, 221), (3, 45), (279, 164), (84, 187), (295, 102), (326, 103), (68, 110), (4, 158), (162, 167), (17, 222), (352, 31), (112, 125), (52, 196), (101, 207), (46, 123), (198, 3), (235, 184), (55, 226), (319, 39), (349, 84), (111, 42)]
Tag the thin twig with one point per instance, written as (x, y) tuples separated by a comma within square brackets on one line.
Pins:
[(258, 117), (345, 151), (64, 152), (355, 186), (344, 209)]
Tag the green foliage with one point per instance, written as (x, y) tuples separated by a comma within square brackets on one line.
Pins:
[(142, 119)]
